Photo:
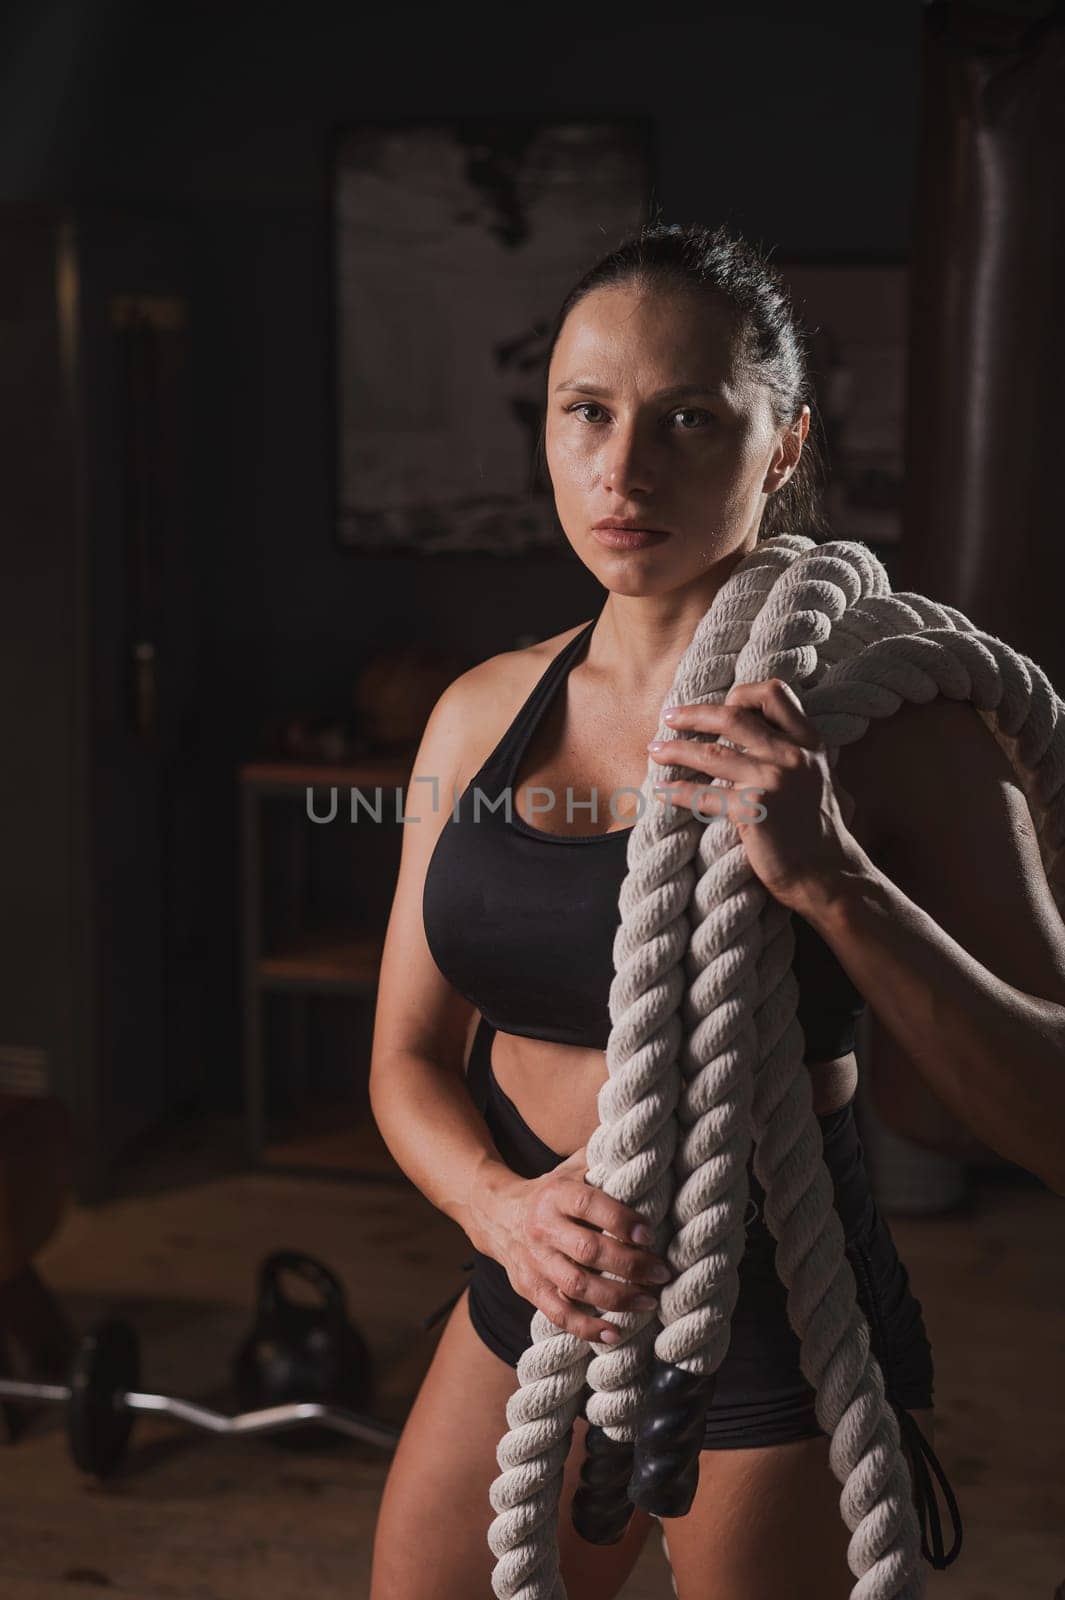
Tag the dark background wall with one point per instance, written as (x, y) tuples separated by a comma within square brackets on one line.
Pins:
[(215, 124)]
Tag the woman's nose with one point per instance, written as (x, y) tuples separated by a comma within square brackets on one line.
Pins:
[(627, 470)]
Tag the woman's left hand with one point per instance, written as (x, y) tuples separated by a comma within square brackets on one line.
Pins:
[(788, 810)]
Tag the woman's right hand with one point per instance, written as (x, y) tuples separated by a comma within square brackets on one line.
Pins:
[(557, 1235)]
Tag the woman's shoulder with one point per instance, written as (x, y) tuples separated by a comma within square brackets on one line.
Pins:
[(958, 837), (478, 706), (487, 689), (921, 757)]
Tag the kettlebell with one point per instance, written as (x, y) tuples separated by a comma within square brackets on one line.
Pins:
[(302, 1352)]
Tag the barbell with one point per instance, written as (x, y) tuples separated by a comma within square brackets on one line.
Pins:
[(104, 1398)]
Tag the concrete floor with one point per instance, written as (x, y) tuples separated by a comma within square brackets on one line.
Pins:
[(196, 1518)]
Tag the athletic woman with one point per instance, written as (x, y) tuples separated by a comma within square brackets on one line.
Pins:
[(676, 435)]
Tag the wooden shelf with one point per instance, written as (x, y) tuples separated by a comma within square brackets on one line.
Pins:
[(305, 957), (328, 961)]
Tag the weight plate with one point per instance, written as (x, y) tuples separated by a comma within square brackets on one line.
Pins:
[(106, 1367)]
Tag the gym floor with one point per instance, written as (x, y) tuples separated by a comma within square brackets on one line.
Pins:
[(197, 1518)]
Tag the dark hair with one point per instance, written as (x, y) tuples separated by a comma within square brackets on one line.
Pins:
[(723, 264)]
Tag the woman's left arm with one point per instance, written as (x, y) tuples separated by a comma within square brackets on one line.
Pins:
[(952, 935)]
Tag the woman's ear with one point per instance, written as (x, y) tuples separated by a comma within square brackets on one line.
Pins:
[(787, 452)]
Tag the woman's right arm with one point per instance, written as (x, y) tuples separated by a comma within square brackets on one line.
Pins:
[(550, 1233)]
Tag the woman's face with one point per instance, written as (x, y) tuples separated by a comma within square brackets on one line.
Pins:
[(652, 418)]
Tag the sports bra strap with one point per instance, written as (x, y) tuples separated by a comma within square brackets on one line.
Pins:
[(508, 753)]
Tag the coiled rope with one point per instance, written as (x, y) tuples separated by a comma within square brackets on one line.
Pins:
[(705, 1056)]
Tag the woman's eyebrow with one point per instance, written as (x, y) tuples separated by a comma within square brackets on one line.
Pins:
[(676, 392)]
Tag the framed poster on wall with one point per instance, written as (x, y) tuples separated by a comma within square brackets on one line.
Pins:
[(453, 245)]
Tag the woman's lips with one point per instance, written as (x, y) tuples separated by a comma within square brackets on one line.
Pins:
[(627, 538)]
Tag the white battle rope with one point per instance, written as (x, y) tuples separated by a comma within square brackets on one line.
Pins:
[(706, 1053)]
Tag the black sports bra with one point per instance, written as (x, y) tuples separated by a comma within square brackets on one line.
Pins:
[(522, 922)]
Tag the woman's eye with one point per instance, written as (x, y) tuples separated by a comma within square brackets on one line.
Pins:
[(701, 416)]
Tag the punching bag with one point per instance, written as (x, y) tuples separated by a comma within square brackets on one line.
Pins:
[(982, 510)]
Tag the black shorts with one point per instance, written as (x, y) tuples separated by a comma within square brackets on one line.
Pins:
[(761, 1396)]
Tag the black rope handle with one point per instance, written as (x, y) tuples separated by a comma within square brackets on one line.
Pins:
[(601, 1509), (670, 1436)]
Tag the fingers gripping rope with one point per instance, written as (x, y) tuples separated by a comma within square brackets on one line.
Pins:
[(705, 1061)]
